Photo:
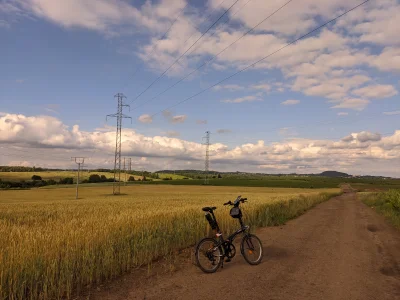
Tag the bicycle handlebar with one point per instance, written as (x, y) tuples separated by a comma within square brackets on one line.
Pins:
[(239, 199)]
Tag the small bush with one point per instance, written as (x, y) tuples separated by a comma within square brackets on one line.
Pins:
[(51, 182), (94, 178), (67, 180), (36, 177)]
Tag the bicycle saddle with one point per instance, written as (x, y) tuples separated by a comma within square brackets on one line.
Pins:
[(210, 209)]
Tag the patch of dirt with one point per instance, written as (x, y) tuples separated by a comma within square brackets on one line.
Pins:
[(372, 228)]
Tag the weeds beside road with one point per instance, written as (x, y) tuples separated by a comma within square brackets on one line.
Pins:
[(387, 203)]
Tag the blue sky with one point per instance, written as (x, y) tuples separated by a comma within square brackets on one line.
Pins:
[(67, 61)]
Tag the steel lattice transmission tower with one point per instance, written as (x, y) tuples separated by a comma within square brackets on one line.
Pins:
[(207, 158), (80, 161), (117, 163)]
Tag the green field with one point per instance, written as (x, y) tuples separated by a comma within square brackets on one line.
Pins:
[(292, 182), (53, 246), (287, 181)]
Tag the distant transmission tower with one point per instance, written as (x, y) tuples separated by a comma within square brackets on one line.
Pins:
[(207, 158), (125, 170), (79, 161), (127, 166), (117, 163)]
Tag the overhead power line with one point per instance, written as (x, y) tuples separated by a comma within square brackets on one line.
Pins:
[(212, 58), (260, 60), (161, 38), (183, 54), (226, 21)]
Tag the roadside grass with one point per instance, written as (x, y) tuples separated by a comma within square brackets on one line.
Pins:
[(387, 204), (54, 247)]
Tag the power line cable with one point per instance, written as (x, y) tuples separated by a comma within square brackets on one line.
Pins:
[(215, 56), (161, 38), (169, 29), (260, 60), (226, 21), (176, 60)]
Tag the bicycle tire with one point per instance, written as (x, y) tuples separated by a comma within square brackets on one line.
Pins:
[(250, 245), (217, 255)]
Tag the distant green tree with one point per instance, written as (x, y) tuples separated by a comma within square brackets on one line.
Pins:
[(94, 178), (219, 176), (103, 178), (67, 180), (36, 177), (131, 178)]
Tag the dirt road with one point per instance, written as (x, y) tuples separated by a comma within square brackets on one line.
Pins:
[(339, 250)]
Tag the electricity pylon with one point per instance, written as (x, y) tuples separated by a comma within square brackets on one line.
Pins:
[(79, 161), (117, 162), (207, 158)]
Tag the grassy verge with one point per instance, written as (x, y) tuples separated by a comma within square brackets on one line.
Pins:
[(387, 203), (53, 248)]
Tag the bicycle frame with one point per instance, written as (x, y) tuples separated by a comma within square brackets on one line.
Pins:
[(231, 237)]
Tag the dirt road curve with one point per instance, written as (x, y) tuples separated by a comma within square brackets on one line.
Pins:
[(339, 250)]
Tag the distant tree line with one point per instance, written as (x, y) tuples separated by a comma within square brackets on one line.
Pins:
[(25, 169), (95, 178), (37, 181)]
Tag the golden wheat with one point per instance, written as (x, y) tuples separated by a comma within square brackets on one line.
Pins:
[(53, 246)]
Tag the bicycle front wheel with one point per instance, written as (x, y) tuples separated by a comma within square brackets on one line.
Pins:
[(251, 249), (208, 257)]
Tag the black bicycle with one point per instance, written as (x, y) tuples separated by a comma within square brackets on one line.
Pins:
[(210, 253)]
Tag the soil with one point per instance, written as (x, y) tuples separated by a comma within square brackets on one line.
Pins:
[(340, 249)]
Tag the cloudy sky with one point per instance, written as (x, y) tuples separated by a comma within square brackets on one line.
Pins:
[(328, 101)]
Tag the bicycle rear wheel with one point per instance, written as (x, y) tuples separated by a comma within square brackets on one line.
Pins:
[(251, 249), (208, 257)]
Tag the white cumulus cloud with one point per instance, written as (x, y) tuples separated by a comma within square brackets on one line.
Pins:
[(243, 99), (46, 141), (376, 91), (145, 118), (290, 102)]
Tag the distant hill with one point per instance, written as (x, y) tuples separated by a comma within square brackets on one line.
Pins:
[(334, 174)]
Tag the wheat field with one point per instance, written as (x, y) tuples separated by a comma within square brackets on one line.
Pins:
[(53, 246)]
